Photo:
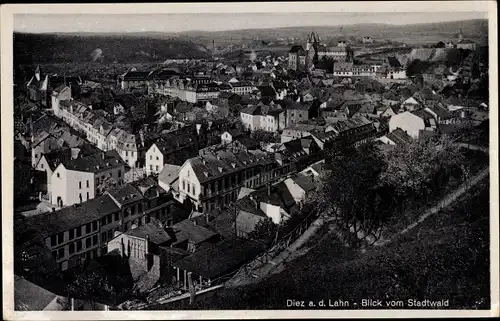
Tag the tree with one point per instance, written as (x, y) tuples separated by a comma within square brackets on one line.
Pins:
[(263, 136), (264, 230), (416, 67)]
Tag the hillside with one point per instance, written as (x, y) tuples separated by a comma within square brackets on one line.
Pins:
[(56, 48), (412, 34), (446, 257)]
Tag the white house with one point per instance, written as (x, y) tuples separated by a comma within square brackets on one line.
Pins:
[(412, 122), (79, 180), (60, 93)]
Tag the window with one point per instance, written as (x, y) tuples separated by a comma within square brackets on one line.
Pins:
[(72, 248), (110, 234), (79, 245), (60, 253), (88, 242), (80, 185), (194, 190), (41, 166), (117, 216), (139, 207), (126, 153), (103, 221), (157, 169), (151, 167), (54, 255), (58, 176), (88, 184), (104, 236), (189, 188), (94, 226), (87, 228), (53, 240), (109, 218), (71, 234), (94, 239), (184, 185), (60, 238), (79, 231), (125, 213), (150, 157), (119, 173), (132, 210)]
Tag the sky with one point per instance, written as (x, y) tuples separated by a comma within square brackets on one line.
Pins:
[(179, 22)]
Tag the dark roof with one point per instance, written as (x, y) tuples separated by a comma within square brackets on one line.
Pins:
[(156, 233), (209, 166), (220, 259), (96, 163), (136, 75), (51, 223), (394, 62), (305, 182), (187, 230), (297, 49), (422, 114), (125, 194), (398, 136), (29, 296), (299, 106)]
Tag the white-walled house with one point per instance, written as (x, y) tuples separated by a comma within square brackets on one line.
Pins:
[(412, 122), (78, 180), (60, 93)]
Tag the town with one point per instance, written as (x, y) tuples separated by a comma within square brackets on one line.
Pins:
[(150, 186)]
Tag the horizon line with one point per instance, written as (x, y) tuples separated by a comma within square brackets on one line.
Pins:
[(245, 29)]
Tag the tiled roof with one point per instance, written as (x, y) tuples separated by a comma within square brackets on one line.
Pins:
[(223, 258), (398, 136), (96, 163), (156, 233), (125, 194), (186, 230), (221, 163), (169, 173)]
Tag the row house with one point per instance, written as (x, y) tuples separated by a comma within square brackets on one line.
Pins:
[(132, 79), (81, 179), (262, 117), (190, 90), (363, 71), (242, 87), (215, 179), (343, 69), (126, 144), (298, 112), (79, 233)]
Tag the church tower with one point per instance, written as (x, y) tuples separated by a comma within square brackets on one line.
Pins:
[(460, 35)]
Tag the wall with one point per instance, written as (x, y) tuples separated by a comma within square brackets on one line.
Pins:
[(154, 160), (187, 175), (246, 222), (407, 122), (272, 211)]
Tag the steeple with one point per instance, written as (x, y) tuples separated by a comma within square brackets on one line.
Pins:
[(38, 73), (460, 35)]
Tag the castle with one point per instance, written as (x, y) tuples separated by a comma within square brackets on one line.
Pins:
[(300, 58)]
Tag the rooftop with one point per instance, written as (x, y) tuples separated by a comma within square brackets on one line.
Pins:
[(96, 163)]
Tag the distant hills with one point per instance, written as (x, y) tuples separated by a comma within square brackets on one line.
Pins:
[(140, 47), (109, 48)]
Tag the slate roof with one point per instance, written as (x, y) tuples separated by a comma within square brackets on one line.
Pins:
[(305, 182), (186, 230), (399, 137), (169, 173), (157, 234), (95, 163), (220, 259), (125, 194), (208, 167)]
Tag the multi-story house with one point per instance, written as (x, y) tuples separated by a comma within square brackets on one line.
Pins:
[(132, 79), (188, 89), (297, 113), (296, 57), (126, 144), (242, 87), (174, 149), (214, 179), (343, 69), (413, 122), (79, 233), (59, 94), (81, 179), (363, 71), (262, 117)]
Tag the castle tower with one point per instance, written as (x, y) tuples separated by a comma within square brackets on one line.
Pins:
[(309, 42), (460, 35)]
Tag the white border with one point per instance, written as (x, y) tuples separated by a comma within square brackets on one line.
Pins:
[(7, 12)]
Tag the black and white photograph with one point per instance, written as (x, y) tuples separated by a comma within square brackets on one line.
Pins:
[(262, 157)]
